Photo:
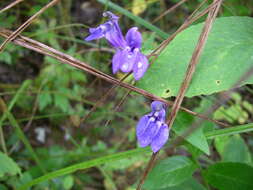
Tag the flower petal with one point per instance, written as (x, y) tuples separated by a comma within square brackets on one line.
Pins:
[(133, 38), (95, 33), (114, 36), (140, 66), (116, 60), (157, 105), (127, 61), (142, 125), (150, 132), (110, 15), (110, 30), (161, 138)]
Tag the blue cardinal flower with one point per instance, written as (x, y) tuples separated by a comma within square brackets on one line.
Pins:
[(152, 129), (128, 56), (110, 30)]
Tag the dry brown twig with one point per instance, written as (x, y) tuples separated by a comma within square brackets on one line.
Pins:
[(186, 82), (64, 58), (10, 5), (188, 21), (168, 11), (26, 24)]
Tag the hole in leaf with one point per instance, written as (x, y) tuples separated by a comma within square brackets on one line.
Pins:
[(167, 91), (218, 82)]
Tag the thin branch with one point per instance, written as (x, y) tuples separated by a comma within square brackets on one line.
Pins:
[(67, 59), (184, 86), (26, 24), (168, 11), (188, 21), (10, 5)]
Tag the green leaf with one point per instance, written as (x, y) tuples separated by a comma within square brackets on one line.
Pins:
[(170, 172), (44, 100), (190, 184), (6, 57), (61, 101), (233, 149), (8, 166), (230, 176), (197, 138), (226, 57), (68, 182)]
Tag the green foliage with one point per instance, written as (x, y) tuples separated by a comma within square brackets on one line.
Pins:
[(8, 166), (80, 154), (59, 90), (230, 37), (83, 165), (68, 182), (197, 137), (236, 112), (230, 176), (189, 184), (170, 172), (227, 145)]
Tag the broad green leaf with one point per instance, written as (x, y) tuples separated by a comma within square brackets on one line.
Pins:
[(230, 176), (190, 184), (170, 172), (226, 57), (8, 166), (233, 149), (197, 138)]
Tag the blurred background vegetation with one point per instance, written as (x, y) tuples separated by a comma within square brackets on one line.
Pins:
[(49, 99)]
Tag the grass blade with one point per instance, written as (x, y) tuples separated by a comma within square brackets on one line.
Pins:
[(230, 131), (85, 165)]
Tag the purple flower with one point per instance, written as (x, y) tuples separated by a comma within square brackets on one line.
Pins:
[(152, 129), (128, 57), (110, 30)]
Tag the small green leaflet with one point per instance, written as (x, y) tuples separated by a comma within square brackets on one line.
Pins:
[(8, 166)]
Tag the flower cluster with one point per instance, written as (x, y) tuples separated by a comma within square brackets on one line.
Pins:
[(128, 57), (152, 129)]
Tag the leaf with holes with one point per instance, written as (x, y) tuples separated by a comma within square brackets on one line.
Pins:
[(226, 57), (170, 172)]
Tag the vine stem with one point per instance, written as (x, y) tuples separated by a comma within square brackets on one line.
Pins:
[(186, 82)]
